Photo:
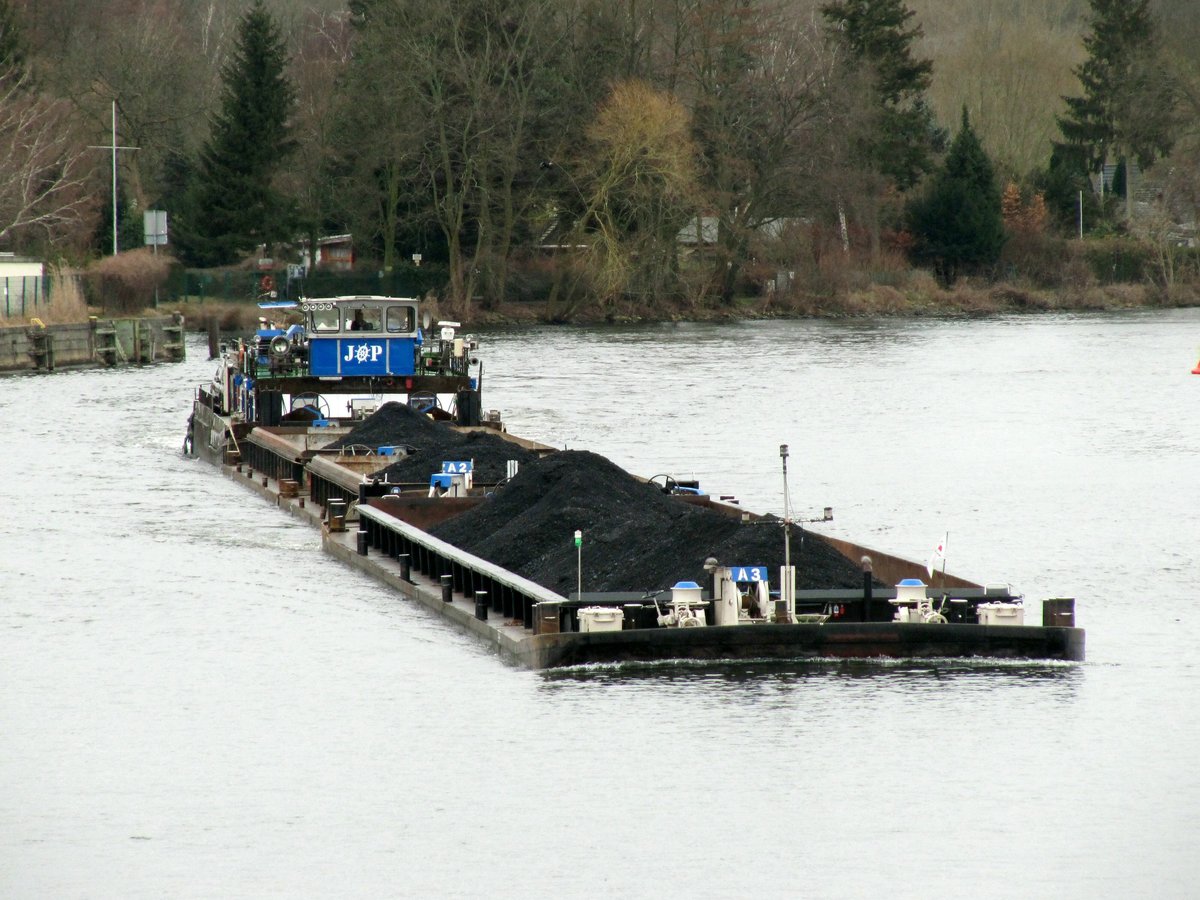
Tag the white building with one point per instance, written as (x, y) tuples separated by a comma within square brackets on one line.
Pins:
[(22, 285)]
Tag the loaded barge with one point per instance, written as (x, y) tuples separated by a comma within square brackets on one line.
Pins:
[(296, 411)]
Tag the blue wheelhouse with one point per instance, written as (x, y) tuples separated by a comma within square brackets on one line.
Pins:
[(362, 336)]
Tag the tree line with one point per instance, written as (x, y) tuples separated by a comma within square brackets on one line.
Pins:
[(591, 153)]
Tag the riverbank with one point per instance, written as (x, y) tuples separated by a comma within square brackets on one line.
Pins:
[(877, 300), (917, 297)]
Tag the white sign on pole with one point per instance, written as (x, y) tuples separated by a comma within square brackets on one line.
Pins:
[(154, 227)]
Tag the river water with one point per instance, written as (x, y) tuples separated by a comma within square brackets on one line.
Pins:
[(196, 702)]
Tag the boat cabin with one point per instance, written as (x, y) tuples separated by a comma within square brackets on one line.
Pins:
[(373, 336)]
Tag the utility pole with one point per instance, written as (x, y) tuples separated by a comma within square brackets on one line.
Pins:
[(113, 148)]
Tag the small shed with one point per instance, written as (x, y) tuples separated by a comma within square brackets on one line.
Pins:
[(334, 251), (22, 285)]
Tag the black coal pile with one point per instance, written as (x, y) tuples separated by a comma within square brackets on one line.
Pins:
[(490, 454), (395, 423), (635, 537)]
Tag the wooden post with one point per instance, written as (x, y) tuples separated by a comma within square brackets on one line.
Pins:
[(214, 338)]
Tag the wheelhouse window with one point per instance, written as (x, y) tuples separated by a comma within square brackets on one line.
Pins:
[(400, 319), (326, 319), (364, 318)]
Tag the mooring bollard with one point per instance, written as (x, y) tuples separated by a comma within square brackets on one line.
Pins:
[(337, 515), (447, 588), (405, 561), (868, 612), (481, 606), (264, 481), (362, 543)]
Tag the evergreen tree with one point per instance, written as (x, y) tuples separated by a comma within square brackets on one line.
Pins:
[(1128, 99), (1062, 183), (12, 51), (232, 205), (130, 226), (903, 137), (957, 223)]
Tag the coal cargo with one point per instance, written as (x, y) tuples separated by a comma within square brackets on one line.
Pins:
[(636, 538)]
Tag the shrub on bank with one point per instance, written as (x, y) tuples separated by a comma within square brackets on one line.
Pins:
[(1120, 260), (124, 284)]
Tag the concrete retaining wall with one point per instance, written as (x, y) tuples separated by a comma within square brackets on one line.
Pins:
[(98, 342)]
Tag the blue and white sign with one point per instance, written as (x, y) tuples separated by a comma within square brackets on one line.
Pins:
[(745, 574), (457, 467), (359, 352), (365, 356)]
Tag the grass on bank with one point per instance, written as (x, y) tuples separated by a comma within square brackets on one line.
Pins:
[(64, 303)]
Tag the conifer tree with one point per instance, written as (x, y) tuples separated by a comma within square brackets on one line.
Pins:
[(903, 135), (130, 233), (1128, 99), (232, 205), (12, 51), (957, 224)]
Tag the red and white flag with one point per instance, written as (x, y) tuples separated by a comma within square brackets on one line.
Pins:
[(939, 552)]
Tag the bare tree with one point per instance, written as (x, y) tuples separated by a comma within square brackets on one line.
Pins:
[(149, 64), (754, 78), (469, 87), (319, 62), (642, 192), (44, 168)]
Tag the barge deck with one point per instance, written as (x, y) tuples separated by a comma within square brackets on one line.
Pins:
[(506, 621), (265, 420)]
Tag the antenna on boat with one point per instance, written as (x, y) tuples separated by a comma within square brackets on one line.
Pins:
[(787, 585), (787, 509)]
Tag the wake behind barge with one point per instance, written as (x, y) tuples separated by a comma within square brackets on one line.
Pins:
[(283, 415)]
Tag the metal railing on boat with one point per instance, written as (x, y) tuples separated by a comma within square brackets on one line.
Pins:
[(508, 594)]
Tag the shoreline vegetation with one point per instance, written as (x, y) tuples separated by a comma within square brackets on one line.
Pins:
[(918, 295), (1094, 275), (879, 301)]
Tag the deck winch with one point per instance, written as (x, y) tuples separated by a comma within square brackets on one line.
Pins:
[(742, 596), (686, 607)]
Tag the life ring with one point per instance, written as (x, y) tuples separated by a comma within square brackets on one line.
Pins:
[(266, 284)]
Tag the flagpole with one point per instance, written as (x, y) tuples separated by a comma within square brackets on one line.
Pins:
[(945, 547)]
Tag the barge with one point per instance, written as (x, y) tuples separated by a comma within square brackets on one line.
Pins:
[(296, 413)]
